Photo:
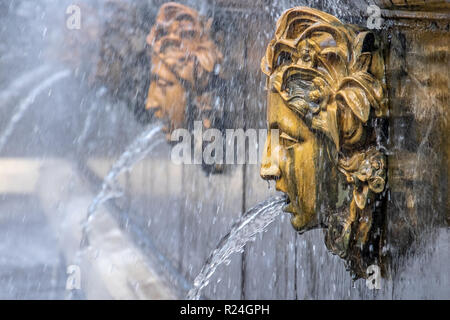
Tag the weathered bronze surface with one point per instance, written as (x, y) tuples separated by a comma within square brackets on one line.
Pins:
[(417, 59), (327, 97), (184, 61)]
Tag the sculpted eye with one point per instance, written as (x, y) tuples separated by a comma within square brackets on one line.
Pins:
[(287, 141), (283, 58), (163, 83), (160, 32)]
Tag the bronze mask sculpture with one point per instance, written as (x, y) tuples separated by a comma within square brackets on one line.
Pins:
[(326, 96), (184, 62)]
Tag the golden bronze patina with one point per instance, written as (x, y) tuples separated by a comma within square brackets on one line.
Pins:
[(184, 61), (326, 95)]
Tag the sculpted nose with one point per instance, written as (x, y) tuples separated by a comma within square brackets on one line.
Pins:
[(269, 167), (270, 172), (152, 104), (153, 109)]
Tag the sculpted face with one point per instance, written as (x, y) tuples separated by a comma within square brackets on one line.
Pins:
[(304, 169), (325, 81), (183, 60)]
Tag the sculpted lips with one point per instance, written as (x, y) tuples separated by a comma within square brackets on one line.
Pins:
[(287, 207)]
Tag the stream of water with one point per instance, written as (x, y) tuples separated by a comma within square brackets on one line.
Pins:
[(16, 86), (27, 102), (90, 118), (254, 221)]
